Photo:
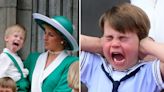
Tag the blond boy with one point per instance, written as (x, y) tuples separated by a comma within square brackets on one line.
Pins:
[(11, 64)]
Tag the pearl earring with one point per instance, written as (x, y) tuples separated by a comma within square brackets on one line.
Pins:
[(62, 42)]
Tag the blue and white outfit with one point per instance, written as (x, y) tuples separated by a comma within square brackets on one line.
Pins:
[(147, 79)]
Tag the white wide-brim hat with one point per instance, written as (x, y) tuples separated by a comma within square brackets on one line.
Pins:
[(63, 26)]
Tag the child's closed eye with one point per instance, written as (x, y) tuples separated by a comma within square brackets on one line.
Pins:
[(123, 38), (109, 38)]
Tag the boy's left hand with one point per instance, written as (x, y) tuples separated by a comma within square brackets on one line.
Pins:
[(150, 47), (145, 45)]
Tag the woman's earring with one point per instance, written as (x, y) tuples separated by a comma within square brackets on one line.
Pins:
[(62, 42)]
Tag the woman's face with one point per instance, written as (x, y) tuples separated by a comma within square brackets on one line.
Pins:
[(120, 49), (52, 39)]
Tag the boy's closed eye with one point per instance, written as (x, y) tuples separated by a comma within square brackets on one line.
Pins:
[(123, 38), (108, 38)]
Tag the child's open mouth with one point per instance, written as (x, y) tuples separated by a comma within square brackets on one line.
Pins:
[(118, 57), (15, 44)]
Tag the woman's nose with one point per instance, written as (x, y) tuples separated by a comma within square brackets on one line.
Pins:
[(45, 37)]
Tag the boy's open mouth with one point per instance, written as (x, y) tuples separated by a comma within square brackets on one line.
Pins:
[(16, 44), (118, 57)]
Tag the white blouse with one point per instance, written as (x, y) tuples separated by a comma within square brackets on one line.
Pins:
[(7, 67), (40, 72)]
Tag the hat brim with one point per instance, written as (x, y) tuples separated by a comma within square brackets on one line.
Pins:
[(41, 20)]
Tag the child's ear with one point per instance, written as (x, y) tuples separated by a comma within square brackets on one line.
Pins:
[(6, 38)]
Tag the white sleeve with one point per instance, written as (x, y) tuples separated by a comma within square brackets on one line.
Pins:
[(4, 64), (88, 65), (157, 74), (85, 73)]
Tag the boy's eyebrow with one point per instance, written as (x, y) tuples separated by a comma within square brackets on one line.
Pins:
[(108, 36)]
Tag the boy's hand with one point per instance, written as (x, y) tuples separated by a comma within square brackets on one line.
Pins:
[(145, 45)]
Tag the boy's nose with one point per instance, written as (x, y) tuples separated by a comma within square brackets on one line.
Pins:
[(18, 38), (115, 43)]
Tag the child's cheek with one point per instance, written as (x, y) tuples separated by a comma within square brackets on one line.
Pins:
[(106, 47)]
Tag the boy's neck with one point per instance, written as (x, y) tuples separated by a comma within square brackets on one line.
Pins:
[(11, 50)]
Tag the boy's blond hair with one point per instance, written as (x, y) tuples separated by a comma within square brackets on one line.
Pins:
[(7, 82), (127, 18), (15, 28), (73, 76)]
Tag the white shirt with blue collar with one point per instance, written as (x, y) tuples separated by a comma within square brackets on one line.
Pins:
[(147, 79)]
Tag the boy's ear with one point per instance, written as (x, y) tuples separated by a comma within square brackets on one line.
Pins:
[(6, 38)]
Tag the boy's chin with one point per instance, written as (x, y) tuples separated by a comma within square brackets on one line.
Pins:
[(15, 49)]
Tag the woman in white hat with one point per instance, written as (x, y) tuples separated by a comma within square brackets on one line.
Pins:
[(48, 70)]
